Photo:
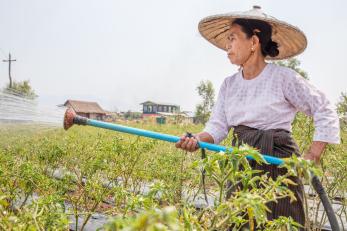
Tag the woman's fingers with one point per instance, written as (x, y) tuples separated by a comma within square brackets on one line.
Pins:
[(191, 146), (180, 142), (187, 143)]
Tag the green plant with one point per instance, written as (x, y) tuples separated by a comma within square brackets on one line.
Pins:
[(103, 171)]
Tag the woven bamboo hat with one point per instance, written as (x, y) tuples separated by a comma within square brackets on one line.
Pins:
[(290, 39)]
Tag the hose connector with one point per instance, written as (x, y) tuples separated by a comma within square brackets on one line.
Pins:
[(80, 120)]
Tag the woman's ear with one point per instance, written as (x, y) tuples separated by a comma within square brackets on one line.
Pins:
[(255, 41)]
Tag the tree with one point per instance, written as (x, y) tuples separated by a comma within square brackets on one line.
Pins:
[(294, 64), (203, 110), (22, 89)]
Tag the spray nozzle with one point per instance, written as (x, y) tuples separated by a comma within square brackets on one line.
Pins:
[(71, 118)]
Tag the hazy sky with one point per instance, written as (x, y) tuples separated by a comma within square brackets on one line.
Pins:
[(121, 53)]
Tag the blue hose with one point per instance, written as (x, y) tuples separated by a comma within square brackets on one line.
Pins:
[(170, 138)]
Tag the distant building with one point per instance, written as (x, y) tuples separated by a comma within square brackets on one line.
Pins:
[(165, 113), (111, 116), (151, 108), (91, 110)]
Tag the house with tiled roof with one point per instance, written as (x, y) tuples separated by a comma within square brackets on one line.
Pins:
[(91, 110)]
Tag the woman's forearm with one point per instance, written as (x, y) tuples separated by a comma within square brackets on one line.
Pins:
[(204, 137)]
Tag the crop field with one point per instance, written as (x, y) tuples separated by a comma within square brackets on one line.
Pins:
[(88, 178)]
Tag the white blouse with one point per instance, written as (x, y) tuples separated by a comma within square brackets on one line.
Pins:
[(270, 101)]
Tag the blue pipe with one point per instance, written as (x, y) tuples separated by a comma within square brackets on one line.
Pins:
[(170, 138)]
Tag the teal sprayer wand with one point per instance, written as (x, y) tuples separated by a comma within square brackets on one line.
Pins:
[(70, 118)]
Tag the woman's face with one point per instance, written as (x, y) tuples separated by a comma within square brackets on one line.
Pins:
[(238, 45)]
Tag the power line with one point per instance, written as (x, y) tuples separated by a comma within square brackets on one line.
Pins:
[(9, 60)]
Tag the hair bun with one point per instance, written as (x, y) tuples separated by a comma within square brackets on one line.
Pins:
[(272, 48)]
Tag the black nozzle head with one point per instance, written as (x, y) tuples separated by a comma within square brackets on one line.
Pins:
[(68, 118), (71, 118)]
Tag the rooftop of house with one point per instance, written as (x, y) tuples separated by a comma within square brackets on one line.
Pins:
[(85, 106), (158, 103)]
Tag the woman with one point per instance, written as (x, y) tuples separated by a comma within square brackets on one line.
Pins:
[(261, 100)]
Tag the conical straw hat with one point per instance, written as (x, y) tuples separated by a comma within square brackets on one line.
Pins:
[(290, 39)]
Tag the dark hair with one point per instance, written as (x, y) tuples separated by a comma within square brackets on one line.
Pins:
[(263, 31)]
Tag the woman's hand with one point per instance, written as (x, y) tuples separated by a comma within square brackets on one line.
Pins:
[(315, 151), (189, 144)]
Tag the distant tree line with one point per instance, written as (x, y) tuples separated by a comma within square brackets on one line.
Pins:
[(21, 88)]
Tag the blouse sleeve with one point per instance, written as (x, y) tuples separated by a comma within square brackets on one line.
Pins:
[(217, 125), (308, 99)]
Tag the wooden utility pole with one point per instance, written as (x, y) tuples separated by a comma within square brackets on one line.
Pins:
[(9, 60)]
